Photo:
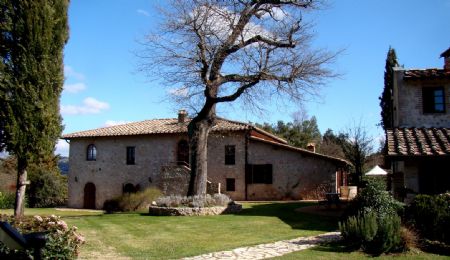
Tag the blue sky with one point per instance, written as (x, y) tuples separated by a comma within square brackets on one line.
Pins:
[(103, 85)]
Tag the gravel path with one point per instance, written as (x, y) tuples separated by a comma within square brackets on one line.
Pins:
[(269, 250)]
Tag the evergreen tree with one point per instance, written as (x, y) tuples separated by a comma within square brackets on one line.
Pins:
[(386, 97), (33, 34)]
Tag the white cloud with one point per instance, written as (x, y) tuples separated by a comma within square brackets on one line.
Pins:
[(90, 106), (143, 12), (219, 22), (62, 148), (74, 88), (179, 92), (69, 72), (276, 12), (113, 122)]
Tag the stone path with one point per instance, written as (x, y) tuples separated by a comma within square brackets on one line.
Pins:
[(269, 250)]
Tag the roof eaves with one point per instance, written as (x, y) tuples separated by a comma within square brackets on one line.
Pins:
[(301, 150)]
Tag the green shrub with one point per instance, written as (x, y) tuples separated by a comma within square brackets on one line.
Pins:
[(48, 188), (430, 215), (62, 242), (374, 198), (197, 201), (132, 201), (373, 234), (7, 200)]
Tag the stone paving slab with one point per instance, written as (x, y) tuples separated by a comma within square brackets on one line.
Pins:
[(269, 250)]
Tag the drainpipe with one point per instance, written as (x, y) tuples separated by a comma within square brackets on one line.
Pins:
[(247, 137)]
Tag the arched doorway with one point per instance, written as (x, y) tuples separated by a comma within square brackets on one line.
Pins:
[(183, 153), (89, 196)]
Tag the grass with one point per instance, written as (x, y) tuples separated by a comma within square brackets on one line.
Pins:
[(338, 251), (137, 235), (140, 236)]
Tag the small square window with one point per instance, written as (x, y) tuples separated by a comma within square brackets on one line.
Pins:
[(231, 184), (433, 100), (230, 152), (130, 155)]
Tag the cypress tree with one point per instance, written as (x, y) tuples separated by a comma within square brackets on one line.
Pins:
[(33, 35), (387, 117)]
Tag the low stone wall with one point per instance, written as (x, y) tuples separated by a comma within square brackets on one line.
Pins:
[(185, 211)]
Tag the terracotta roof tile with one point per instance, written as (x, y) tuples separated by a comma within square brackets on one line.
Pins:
[(418, 141), (163, 126), (415, 74)]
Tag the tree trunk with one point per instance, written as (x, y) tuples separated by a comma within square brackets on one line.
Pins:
[(198, 131), (20, 189)]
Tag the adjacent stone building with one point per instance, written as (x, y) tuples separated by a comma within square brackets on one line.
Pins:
[(244, 162), (418, 146)]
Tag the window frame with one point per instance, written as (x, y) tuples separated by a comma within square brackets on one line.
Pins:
[(230, 154), (131, 155), (259, 174), (429, 104), (91, 152), (230, 184)]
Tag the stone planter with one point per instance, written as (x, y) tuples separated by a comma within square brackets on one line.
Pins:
[(185, 211)]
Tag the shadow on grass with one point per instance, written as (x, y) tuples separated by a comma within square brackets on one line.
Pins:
[(288, 214), (336, 247)]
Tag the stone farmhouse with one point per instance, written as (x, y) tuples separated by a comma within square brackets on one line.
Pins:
[(244, 162), (418, 146)]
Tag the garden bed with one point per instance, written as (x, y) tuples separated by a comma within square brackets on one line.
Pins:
[(194, 211)]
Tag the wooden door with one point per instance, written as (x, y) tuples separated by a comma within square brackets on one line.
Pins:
[(89, 196)]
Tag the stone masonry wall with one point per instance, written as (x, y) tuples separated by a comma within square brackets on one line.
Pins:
[(409, 109), (110, 172), (295, 175)]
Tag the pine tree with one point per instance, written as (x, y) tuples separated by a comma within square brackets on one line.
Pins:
[(386, 97), (33, 35)]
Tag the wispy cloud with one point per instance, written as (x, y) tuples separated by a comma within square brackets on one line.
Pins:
[(179, 92), (113, 122), (69, 72), (74, 88), (90, 106), (142, 12)]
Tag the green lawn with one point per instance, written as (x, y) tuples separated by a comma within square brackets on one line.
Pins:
[(338, 251), (137, 235)]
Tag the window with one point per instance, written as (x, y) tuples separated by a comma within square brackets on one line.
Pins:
[(183, 153), (231, 184), (433, 99), (128, 188), (259, 173), (91, 154), (230, 151), (130, 155)]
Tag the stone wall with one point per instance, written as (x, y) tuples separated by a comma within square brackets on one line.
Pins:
[(408, 103), (155, 155), (174, 180), (295, 175)]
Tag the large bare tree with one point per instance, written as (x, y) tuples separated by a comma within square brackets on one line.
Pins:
[(215, 51)]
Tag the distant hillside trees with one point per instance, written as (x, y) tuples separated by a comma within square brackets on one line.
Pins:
[(297, 133), (32, 37)]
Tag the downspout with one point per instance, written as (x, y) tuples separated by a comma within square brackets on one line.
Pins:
[(247, 137)]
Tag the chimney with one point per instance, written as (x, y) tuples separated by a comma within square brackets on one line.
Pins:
[(311, 147), (182, 115), (446, 56)]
